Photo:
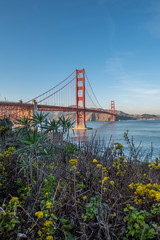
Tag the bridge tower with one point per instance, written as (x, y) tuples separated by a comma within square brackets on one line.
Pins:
[(80, 99), (113, 111)]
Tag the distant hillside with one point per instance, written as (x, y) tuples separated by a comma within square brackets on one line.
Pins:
[(104, 117)]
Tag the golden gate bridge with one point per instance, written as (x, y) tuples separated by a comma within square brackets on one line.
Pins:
[(73, 94)]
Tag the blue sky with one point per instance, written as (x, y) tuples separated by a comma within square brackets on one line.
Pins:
[(116, 41)]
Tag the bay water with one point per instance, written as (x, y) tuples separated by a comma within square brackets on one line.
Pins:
[(144, 132)]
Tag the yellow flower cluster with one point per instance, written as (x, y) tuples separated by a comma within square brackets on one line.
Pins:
[(137, 200), (131, 185), (39, 214), (84, 197), (95, 161), (8, 152), (14, 200), (142, 191), (120, 165), (73, 162), (112, 182), (49, 238), (48, 204), (105, 175), (99, 166), (104, 179), (39, 233), (155, 165), (105, 170), (118, 145), (48, 223)]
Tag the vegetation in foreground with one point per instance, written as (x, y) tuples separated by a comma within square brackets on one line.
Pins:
[(52, 189)]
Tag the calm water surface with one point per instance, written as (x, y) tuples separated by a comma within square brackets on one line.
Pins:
[(146, 132)]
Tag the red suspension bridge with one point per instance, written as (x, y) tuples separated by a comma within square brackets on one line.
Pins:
[(73, 94)]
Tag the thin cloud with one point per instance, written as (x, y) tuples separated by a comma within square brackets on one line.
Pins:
[(128, 84), (142, 92)]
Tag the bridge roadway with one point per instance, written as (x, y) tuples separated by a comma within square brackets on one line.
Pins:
[(8, 108), (71, 109)]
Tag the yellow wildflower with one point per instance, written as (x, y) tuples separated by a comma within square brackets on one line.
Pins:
[(48, 204), (73, 161), (149, 185), (118, 145), (47, 223), (13, 200), (137, 226), (95, 160), (131, 185), (98, 166), (105, 179), (39, 214), (157, 196), (84, 197), (49, 238), (112, 182), (39, 233), (138, 201)]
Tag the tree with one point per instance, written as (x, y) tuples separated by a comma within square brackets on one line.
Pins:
[(52, 126), (39, 120), (24, 125)]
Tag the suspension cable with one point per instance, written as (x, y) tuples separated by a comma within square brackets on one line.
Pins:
[(90, 98), (52, 88), (57, 90), (93, 91)]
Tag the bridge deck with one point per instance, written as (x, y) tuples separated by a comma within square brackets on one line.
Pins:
[(19, 109)]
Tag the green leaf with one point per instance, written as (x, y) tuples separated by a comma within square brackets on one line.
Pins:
[(63, 220), (69, 236), (132, 232), (154, 225)]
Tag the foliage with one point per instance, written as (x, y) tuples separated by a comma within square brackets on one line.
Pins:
[(91, 208), (5, 131), (54, 189), (138, 224)]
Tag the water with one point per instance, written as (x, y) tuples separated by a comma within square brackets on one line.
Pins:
[(143, 131)]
